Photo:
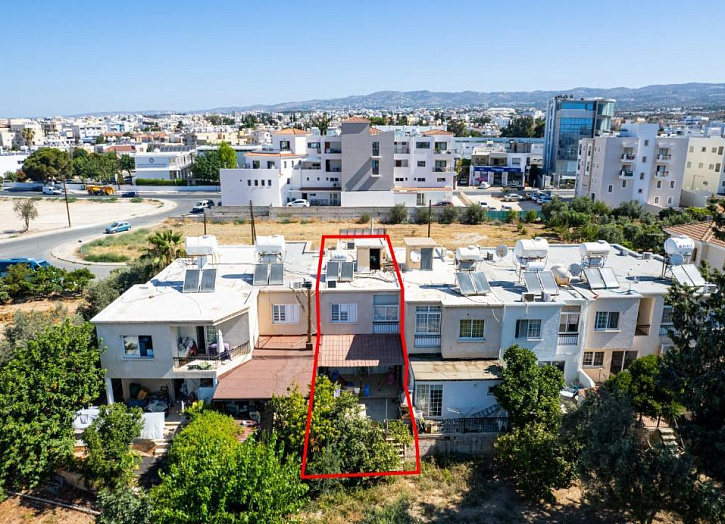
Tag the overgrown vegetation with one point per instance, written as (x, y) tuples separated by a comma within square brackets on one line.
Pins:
[(26, 210), (398, 214), (24, 283)]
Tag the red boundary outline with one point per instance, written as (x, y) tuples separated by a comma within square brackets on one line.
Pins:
[(401, 317)]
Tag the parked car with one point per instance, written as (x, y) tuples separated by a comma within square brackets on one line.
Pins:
[(300, 202), (117, 227), (484, 204), (48, 190), (545, 199), (32, 263), (443, 203), (129, 194), (484, 185), (514, 185), (512, 197), (201, 205), (506, 207)]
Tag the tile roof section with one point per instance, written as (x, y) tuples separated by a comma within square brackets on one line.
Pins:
[(292, 131), (375, 131), (701, 231), (357, 119), (438, 132), (360, 350)]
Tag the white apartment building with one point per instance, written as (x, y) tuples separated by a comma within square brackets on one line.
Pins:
[(636, 165), (172, 165), (359, 166), (230, 323), (705, 164)]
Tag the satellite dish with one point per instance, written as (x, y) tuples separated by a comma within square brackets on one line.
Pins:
[(677, 259), (415, 256), (502, 250), (575, 270)]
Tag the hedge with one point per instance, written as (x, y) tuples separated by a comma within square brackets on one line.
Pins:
[(159, 182)]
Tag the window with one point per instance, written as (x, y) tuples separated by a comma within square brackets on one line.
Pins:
[(376, 148), (606, 320), (376, 167), (422, 145), (689, 164), (667, 315), (528, 328), (429, 399), (641, 176), (262, 182), (703, 150), (272, 165), (624, 184), (343, 313), (441, 179), (717, 167), (644, 159), (672, 184), (700, 165), (593, 359), (428, 319), (249, 182), (284, 145), (285, 314), (256, 183), (558, 364), (720, 150), (639, 191), (421, 163), (401, 163), (314, 145), (385, 313), (714, 150), (621, 360), (568, 323), (610, 188), (692, 148), (659, 184), (646, 143), (471, 329), (669, 200), (140, 346)]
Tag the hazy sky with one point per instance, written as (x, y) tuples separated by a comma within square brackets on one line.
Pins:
[(83, 56)]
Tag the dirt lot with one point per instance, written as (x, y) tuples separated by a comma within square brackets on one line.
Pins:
[(52, 213), (15, 511), (7, 311), (450, 236)]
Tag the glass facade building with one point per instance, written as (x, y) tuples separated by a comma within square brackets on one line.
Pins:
[(568, 121)]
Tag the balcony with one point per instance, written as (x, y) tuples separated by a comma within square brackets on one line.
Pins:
[(401, 151), (333, 170), (568, 339), (664, 158), (333, 150), (468, 425), (662, 174), (427, 341), (211, 361), (626, 174), (665, 329), (441, 170), (385, 326), (641, 330), (628, 157)]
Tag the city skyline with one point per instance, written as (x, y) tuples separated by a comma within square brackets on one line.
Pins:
[(183, 58)]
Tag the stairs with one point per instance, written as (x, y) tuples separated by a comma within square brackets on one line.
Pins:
[(162, 444), (669, 440)]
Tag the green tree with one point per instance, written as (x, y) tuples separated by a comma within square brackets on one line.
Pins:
[(111, 461), (449, 215), (474, 214), (227, 156), (212, 477), (398, 214), (41, 389), (28, 136), (47, 163), (164, 247), (321, 122), (644, 386), (423, 215), (124, 506), (96, 166), (536, 460), (26, 211), (100, 294), (525, 127), (127, 164), (27, 325), (457, 127), (529, 392), (206, 166)]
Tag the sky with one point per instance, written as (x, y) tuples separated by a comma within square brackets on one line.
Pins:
[(63, 58)]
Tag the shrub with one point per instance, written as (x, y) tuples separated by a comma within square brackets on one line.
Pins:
[(158, 182), (512, 216), (473, 215), (137, 200), (21, 282), (106, 257), (364, 219), (423, 216), (530, 216), (124, 506), (398, 214), (449, 215)]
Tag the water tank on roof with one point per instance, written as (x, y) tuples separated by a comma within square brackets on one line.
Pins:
[(679, 245), (532, 248), (598, 249), (200, 246), (561, 275), (468, 254), (270, 245)]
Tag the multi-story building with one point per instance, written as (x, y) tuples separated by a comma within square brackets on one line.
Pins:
[(164, 165), (705, 164), (359, 165), (569, 120), (235, 324), (636, 165)]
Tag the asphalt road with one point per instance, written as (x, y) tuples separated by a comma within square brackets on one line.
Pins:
[(41, 246)]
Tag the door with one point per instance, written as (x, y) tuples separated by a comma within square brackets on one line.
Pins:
[(374, 259), (426, 259), (621, 361)]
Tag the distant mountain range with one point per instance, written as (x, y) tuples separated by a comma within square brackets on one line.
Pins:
[(692, 95)]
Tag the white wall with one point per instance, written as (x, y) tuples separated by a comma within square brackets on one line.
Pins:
[(367, 198)]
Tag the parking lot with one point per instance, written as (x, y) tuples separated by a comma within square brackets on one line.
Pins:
[(493, 197)]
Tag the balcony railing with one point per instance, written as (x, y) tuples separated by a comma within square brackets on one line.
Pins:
[(385, 326), (641, 330), (401, 151), (213, 360), (333, 170), (469, 425), (662, 174), (626, 174), (568, 339), (427, 341), (628, 157), (664, 157), (333, 150), (665, 329), (441, 170)]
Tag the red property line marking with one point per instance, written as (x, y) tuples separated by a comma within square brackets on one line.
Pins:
[(401, 318)]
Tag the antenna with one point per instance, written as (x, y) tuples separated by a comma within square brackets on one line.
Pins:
[(502, 250), (415, 256)]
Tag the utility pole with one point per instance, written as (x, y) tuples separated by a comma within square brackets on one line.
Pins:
[(254, 229), (204, 212), (430, 215), (67, 207)]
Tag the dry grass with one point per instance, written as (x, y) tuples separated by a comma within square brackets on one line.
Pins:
[(15, 510), (7, 311), (450, 236)]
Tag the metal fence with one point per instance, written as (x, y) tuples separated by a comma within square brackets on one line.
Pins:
[(214, 360), (470, 425)]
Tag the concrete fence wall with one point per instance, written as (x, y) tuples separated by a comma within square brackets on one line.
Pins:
[(464, 443), (322, 213)]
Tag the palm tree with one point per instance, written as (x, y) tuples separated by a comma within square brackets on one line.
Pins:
[(321, 122), (164, 247), (28, 136)]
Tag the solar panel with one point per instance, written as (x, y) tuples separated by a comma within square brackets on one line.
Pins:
[(679, 273), (532, 282), (594, 277), (191, 281), (260, 274), (276, 274), (346, 271), (333, 271), (465, 284), (208, 280), (548, 284), (610, 279), (481, 283), (694, 274)]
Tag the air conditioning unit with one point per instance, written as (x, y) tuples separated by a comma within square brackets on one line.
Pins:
[(647, 255), (297, 284), (664, 348), (528, 297)]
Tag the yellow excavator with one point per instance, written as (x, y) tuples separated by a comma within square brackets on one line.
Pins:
[(100, 190)]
